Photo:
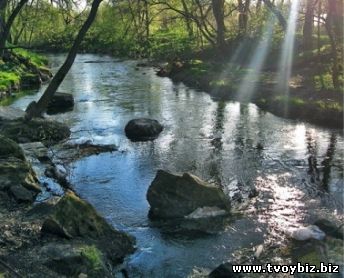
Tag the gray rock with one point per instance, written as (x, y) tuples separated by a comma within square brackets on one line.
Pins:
[(61, 102), (75, 218), (330, 229), (172, 196), (16, 172), (10, 113), (36, 130), (35, 149), (30, 80), (73, 259), (224, 271), (10, 148), (143, 129), (21, 194)]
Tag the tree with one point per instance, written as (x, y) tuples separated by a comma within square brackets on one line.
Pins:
[(277, 13), (334, 28), (36, 109), (5, 28), (218, 11), (243, 15), (308, 26)]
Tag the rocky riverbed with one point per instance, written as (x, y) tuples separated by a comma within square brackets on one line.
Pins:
[(49, 231)]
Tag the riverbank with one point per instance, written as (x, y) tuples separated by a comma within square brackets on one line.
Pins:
[(46, 229), (21, 70), (224, 81)]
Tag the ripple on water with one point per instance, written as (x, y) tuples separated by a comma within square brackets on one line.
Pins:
[(297, 168)]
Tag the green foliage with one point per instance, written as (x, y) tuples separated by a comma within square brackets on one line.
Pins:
[(12, 72), (8, 79), (170, 44), (34, 58)]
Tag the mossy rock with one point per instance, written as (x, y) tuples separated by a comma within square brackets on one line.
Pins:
[(10, 148), (48, 132), (72, 259), (16, 175), (30, 80), (18, 179), (75, 218)]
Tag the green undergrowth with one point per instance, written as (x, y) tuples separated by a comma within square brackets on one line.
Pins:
[(17, 65)]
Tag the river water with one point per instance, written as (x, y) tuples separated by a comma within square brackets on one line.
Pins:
[(296, 167)]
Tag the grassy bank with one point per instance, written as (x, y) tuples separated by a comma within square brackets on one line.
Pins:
[(306, 100), (21, 69)]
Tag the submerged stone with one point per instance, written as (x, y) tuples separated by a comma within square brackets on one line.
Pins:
[(173, 196)]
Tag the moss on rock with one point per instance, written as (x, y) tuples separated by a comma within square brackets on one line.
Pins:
[(16, 175), (75, 218), (48, 132), (10, 148)]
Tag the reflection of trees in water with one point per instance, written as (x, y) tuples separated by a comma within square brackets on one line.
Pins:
[(215, 168), (312, 149), (313, 169), (327, 162)]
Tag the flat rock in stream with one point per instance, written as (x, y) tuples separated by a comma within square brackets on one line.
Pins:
[(37, 130), (187, 197), (10, 114)]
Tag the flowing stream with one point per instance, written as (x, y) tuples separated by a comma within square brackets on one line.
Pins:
[(296, 167)]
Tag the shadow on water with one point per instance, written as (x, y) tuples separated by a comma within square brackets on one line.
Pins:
[(327, 162)]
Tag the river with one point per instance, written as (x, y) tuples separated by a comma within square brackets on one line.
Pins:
[(296, 167)]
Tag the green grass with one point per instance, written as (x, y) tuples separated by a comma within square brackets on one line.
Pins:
[(13, 71), (36, 59), (7, 79), (326, 105)]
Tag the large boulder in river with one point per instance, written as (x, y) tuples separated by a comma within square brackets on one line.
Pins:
[(72, 217), (143, 129), (171, 196), (61, 102)]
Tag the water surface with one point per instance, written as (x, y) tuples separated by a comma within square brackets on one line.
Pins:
[(296, 167)]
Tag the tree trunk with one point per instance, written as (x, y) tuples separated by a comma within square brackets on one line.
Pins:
[(335, 36), (7, 28), (147, 21), (308, 26), (187, 19), (3, 5), (36, 109), (277, 13), (243, 16), (218, 11)]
